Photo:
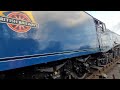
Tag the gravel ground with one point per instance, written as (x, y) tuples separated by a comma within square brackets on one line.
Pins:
[(114, 73)]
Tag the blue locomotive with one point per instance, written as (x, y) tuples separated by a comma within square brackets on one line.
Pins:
[(54, 44)]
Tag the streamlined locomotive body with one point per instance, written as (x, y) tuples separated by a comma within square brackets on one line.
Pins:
[(39, 37)]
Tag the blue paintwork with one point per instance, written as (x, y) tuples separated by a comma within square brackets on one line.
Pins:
[(6, 65), (49, 38), (53, 35)]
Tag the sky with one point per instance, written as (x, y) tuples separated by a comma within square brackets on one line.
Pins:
[(110, 18)]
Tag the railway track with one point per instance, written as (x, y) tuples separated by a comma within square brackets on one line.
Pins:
[(98, 72)]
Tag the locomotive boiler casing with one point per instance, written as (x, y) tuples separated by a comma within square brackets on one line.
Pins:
[(59, 35)]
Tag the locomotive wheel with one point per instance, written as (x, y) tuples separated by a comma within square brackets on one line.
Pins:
[(79, 69), (74, 70), (110, 57), (105, 59), (97, 62)]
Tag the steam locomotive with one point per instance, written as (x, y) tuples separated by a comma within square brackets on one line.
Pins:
[(53, 44)]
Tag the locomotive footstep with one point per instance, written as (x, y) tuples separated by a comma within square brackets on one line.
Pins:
[(96, 67)]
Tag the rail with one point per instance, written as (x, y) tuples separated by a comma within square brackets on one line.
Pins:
[(97, 72)]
